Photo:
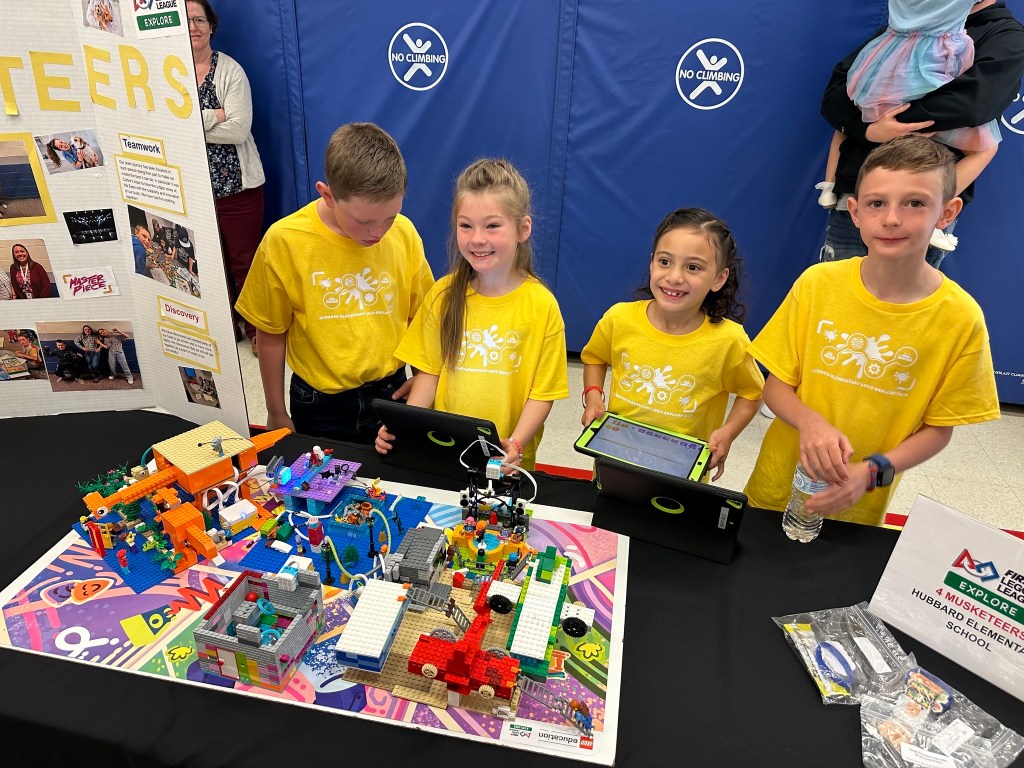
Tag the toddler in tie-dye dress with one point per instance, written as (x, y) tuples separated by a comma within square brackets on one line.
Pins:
[(923, 48)]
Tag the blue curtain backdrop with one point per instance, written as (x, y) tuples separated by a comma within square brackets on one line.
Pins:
[(609, 111)]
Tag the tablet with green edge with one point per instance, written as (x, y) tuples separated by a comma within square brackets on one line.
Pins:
[(642, 445)]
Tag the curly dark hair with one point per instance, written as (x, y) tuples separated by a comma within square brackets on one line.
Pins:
[(720, 304)]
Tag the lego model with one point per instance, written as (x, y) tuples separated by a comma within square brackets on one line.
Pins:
[(262, 626), (199, 473)]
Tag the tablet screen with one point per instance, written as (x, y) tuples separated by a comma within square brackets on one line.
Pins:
[(646, 447)]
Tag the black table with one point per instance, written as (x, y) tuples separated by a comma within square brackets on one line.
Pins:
[(707, 678)]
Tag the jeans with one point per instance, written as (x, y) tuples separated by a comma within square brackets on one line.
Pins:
[(92, 359), (117, 356), (842, 238), (347, 416)]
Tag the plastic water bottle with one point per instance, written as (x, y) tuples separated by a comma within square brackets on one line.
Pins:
[(797, 523)]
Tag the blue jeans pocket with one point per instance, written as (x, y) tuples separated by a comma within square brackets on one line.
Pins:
[(302, 393)]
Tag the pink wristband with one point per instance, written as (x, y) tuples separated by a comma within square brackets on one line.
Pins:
[(517, 444)]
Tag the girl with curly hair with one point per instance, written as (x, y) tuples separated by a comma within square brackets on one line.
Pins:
[(679, 351)]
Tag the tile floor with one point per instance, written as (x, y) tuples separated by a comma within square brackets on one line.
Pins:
[(980, 473)]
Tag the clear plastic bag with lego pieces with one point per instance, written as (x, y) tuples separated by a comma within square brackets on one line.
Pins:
[(846, 651), (922, 721)]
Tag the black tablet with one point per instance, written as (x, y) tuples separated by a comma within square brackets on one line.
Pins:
[(434, 441), (634, 443)]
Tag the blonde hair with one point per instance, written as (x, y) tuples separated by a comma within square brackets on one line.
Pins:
[(500, 178), (362, 159)]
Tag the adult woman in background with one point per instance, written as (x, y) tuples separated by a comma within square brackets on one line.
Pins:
[(235, 167), (28, 278)]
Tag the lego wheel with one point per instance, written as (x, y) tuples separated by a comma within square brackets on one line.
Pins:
[(444, 634), (500, 604), (574, 626), (429, 670), (498, 653), (486, 691)]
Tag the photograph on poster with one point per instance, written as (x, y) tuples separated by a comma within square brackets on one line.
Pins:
[(26, 266), (104, 15), (24, 198), (96, 226), (164, 250), (21, 357), (200, 387), (83, 356), (69, 151)]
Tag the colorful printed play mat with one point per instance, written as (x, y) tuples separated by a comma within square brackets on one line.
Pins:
[(76, 605)]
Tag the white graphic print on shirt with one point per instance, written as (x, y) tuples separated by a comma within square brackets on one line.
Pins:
[(658, 386), (361, 293), (484, 349), (867, 357)]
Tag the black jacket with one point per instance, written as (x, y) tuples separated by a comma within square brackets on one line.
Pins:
[(980, 94)]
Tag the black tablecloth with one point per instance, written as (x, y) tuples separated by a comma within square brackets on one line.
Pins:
[(707, 678)]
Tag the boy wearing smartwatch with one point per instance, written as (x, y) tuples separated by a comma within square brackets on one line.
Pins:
[(874, 360)]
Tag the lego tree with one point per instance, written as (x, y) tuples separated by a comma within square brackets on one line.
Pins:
[(105, 484), (350, 556)]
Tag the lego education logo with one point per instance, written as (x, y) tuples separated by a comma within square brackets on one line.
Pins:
[(709, 74), (418, 56), (1013, 115)]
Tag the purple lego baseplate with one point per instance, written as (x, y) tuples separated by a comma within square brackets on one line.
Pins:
[(322, 482)]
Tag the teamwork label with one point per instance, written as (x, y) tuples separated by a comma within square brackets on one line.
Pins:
[(957, 585)]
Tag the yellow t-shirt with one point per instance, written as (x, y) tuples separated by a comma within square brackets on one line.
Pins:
[(344, 307), (680, 383), (513, 349), (876, 371)]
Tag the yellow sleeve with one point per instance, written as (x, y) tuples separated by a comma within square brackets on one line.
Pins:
[(422, 282), (744, 379), (598, 351), (420, 347), (551, 380), (264, 299), (967, 392), (776, 346)]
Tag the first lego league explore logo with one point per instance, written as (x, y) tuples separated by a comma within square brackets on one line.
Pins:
[(984, 607)]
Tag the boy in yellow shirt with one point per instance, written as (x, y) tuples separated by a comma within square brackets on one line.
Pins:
[(874, 360), (332, 290)]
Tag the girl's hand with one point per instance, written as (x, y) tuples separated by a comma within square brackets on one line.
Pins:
[(221, 115), (720, 441), (513, 456), (825, 451), (383, 441), (594, 408)]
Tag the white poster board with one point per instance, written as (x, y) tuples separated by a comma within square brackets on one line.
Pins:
[(957, 585), (101, 133)]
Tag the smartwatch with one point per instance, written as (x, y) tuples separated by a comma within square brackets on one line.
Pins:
[(882, 471)]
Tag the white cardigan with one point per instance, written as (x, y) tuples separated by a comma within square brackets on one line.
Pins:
[(232, 88)]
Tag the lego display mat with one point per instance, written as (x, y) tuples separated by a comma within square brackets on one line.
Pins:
[(71, 604)]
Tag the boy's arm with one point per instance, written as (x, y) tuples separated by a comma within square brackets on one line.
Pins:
[(917, 448), (824, 450), (720, 441), (593, 401), (532, 419), (272, 347)]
